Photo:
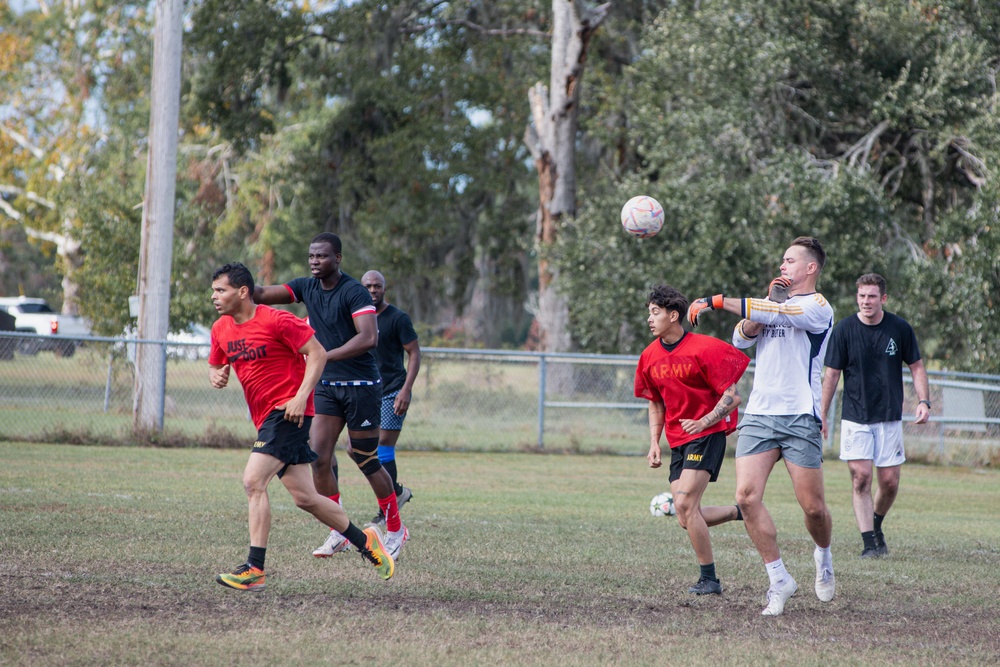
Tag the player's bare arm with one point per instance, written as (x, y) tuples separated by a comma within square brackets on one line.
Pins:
[(295, 409), (750, 329), (218, 375), (729, 401), (831, 376), (365, 339), (402, 402), (270, 295), (922, 387), (657, 413)]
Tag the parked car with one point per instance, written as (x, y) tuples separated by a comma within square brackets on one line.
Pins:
[(195, 343), (7, 345), (37, 317), (191, 343)]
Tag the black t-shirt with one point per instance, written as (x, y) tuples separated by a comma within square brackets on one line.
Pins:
[(394, 331), (331, 315), (872, 358)]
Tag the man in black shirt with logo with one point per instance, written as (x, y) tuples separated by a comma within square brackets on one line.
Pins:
[(870, 348), (395, 336), (350, 390)]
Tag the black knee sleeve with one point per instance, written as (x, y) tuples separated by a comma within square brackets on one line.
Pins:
[(364, 451)]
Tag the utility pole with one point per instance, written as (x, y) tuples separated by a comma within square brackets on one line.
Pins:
[(157, 238)]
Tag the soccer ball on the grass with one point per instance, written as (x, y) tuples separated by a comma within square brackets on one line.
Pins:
[(662, 505), (642, 216)]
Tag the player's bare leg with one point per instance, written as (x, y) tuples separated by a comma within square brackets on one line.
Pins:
[(299, 483), (751, 478), (323, 439), (861, 492), (257, 474), (688, 490), (752, 473), (808, 486), (888, 487), (364, 451)]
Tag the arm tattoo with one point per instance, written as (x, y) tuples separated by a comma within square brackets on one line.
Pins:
[(724, 406)]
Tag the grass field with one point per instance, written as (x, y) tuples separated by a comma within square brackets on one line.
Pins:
[(108, 558)]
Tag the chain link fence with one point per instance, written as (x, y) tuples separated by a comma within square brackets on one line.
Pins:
[(470, 400)]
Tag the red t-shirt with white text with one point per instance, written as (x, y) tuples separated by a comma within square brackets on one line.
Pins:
[(689, 381), (264, 353)]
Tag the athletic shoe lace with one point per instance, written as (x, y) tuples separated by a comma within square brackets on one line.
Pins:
[(371, 557)]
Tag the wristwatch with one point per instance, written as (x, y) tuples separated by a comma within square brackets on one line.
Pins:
[(925, 402)]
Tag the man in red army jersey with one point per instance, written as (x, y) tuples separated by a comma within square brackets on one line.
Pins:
[(278, 362), (690, 383)]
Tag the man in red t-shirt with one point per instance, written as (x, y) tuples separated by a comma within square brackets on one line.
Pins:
[(278, 361), (690, 383)]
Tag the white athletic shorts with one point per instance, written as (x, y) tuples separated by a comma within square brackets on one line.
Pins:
[(881, 443)]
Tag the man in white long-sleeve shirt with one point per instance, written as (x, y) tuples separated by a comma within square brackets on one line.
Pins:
[(782, 417)]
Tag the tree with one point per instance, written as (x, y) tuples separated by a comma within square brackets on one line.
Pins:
[(393, 126), (870, 125), (47, 69), (552, 138)]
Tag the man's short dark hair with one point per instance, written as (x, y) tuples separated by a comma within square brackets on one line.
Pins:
[(239, 275), (813, 247), (872, 279), (332, 239), (668, 298)]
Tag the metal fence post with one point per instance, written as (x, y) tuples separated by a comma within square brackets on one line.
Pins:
[(541, 401)]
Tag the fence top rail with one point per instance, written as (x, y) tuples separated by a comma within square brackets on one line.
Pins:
[(941, 378), (527, 354)]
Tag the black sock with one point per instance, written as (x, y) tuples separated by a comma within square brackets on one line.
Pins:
[(336, 471), (878, 523), (256, 557), (869, 539), (356, 536), (739, 513), (708, 572)]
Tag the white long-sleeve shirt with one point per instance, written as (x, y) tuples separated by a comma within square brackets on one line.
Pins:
[(790, 350)]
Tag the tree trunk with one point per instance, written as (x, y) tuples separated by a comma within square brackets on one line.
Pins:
[(552, 142)]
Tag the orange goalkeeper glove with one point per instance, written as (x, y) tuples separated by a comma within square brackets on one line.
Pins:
[(777, 291), (694, 311)]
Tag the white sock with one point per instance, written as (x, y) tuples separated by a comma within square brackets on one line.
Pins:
[(826, 557), (776, 572)]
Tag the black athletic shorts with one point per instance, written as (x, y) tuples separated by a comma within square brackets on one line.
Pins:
[(284, 440), (704, 453), (359, 405)]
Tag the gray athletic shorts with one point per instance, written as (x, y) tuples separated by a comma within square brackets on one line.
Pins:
[(797, 436)]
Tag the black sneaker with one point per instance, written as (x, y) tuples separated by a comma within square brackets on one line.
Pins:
[(706, 586), (378, 520), (871, 552), (880, 546)]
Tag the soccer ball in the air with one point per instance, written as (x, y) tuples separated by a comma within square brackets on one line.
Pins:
[(662, 505), (642, 216)]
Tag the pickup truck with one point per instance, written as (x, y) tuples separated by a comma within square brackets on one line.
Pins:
[(37, 317)]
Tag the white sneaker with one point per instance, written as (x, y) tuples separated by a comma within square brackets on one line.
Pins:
[(335, 543), (826, 583), (778, 595), (394, 542)]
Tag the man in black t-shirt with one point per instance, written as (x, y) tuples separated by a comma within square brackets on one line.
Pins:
[(395, 336), (870, 349), (350, 390)]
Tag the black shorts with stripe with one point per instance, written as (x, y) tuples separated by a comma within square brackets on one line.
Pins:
[(704, 453), (284, 440), (359, 404)]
